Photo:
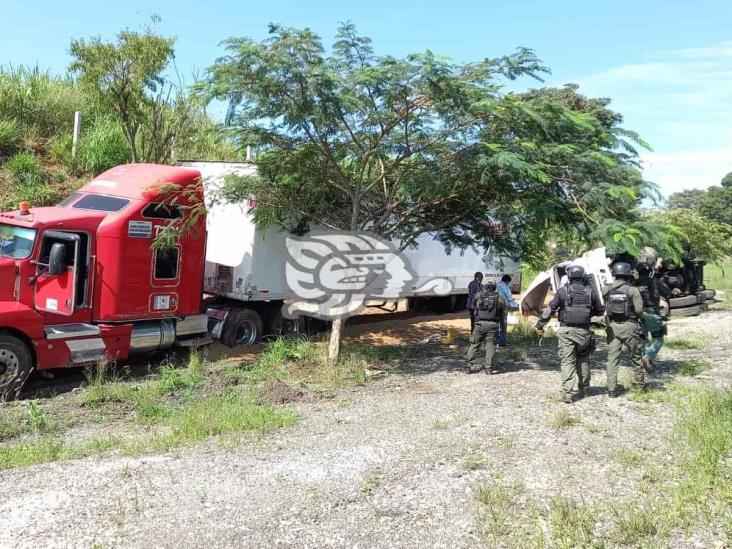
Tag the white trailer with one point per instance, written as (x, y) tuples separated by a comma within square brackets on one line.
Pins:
[(246, 264)]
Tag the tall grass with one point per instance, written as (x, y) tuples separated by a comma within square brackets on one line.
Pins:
[(42, 105)]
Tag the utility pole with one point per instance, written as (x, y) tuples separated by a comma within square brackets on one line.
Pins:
[(77, 130)]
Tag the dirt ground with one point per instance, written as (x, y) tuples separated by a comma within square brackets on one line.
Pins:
[(395, 463)]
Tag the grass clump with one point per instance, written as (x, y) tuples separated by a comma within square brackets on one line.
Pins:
[(635, 524), (563, 419), (500, 503), (628, 458), (233, 413), (694, 367), (571, 522), (9, 136), (687, 343), (475, 462)]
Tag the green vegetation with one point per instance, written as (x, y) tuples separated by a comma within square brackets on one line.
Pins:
[(563, 419), (184, 404), (687, 342), (475, 461), (571, 523)]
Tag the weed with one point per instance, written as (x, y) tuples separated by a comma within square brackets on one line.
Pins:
[(571, 523), (634, 524), (232, 413), (26, 453), (694, 367), (22, 165), (439, 426), (474, 462), (563, 419), (9, 136), (518, 354), (690, 342), (103, 146), (370, 484), (36, 417), (500, 502), (628, 458)]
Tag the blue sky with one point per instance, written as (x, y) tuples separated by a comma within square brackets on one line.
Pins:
[(667, 64)]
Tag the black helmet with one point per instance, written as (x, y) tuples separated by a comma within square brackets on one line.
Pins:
[(622, 270), (575, 271), (490, 286), (643, 268)]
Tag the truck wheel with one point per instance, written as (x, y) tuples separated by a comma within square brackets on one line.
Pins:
[(16, 363), (281, 326), (685, 301), (242, 327), (694, 310)]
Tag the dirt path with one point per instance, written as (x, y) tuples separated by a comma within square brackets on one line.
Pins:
[(393, 464)]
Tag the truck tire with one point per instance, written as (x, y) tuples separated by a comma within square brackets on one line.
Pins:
[(281, 326), (694, 310), (16, 363), (685, 301), (242, 327)]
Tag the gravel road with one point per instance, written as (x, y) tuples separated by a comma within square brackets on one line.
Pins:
[(378, 466)]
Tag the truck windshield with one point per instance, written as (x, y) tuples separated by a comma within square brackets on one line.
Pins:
[(16, 242)]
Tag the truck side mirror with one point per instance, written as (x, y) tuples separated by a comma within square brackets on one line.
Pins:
[(56, 259)]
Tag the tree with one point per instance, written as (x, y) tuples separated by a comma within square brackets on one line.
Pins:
[(689, 199), (127, 76), (716, 204), (699, 237), (354, 141)]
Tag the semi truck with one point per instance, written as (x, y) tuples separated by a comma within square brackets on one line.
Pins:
[(84, 280)]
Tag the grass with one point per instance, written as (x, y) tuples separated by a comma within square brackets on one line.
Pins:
[(500, 504), (475, 461), (571, 523), (185, 404), (694, 367), (628, 458), (687, 343), (563, 419), (635, 524), (439, 426)]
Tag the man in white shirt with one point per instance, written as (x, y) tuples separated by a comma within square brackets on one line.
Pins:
[(504, 290)]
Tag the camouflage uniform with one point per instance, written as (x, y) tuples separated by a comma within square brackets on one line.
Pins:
[(625, 333), (574, 342), (484, 330)]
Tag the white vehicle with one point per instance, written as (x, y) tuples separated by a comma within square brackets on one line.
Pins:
[(597, 268), (246, 264)]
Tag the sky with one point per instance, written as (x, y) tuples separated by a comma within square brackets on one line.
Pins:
[(666, 64)]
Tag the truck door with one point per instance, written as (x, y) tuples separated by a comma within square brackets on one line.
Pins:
[(57, 273)]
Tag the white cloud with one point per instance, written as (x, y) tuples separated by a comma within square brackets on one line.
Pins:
[(680, 101), (675, 172)]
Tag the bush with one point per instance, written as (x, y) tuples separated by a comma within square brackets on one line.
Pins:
[(60, 149), (23, 165), (102, 146), (9, 136)]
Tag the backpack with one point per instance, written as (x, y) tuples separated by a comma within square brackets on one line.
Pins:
[(487, 306), (617, 304), (578, 307)]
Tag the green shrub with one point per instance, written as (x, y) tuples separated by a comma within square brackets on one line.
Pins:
[(23, 165), (60, 149), (102, 146), (9, 136)]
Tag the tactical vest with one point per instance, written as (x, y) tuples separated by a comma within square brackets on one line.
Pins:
[(647, 289), (486, 307), (578, 307), (618, 304)]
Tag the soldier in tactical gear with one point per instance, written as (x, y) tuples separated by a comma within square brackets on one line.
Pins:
[(624, 315), (576, 303), (651, 290), (488, 308)]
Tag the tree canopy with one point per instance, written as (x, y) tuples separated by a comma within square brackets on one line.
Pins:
[(351, 140)]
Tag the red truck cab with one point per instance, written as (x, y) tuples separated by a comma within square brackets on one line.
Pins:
[(82, 281)]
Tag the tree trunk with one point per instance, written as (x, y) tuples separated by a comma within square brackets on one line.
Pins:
[(334, 345)]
